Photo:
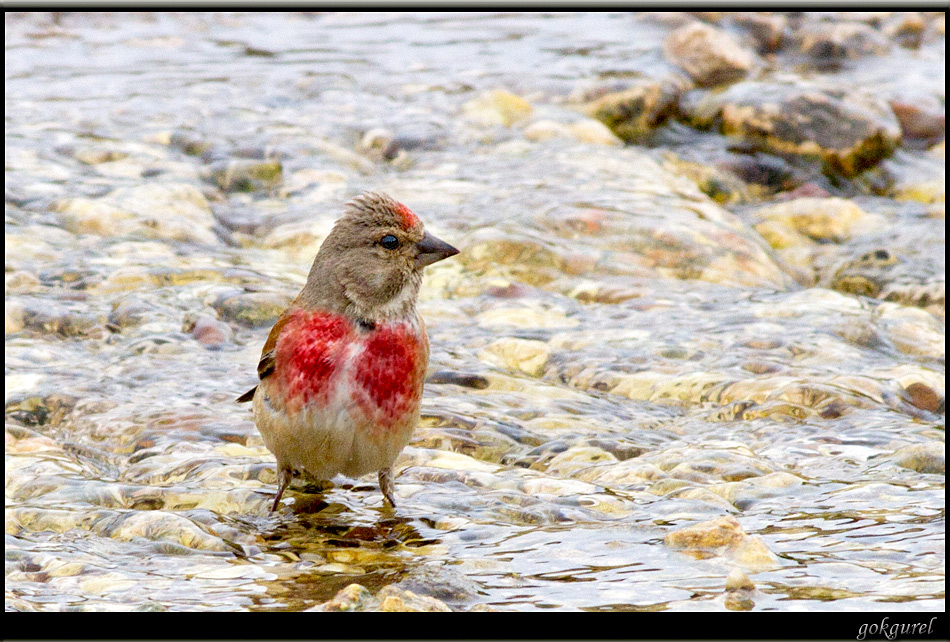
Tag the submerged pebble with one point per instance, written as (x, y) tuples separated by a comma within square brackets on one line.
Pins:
[(724, 537), (709, 55)]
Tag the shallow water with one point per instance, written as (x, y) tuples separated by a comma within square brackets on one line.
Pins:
[(615, 356)]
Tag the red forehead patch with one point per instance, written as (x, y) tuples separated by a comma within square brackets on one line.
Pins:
[(407, 216)]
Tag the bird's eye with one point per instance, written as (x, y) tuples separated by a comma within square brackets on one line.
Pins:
[(389, 242)]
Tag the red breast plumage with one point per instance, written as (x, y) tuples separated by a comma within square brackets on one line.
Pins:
[(342, 370)]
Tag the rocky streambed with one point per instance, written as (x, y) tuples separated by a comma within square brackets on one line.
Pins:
[(691, 356)]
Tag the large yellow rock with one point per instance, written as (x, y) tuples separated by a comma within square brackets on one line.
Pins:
[(527, 356), (497, 107), (724, 537), (819, 219)]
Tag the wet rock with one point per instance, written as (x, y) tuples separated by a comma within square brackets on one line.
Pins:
[(88, 216), (865, 275), (922, 396), (57, 318), (709, 55), (300, 240), (923, 191), (14, 316), (352, 598), (926, 382), (246, 175), (848, 132), (21, 281), (721, 186), (392, 598), (210, 332), (622, 449), (587, 130), (827, 44), (158, 525), (527, 259), (131, 311), (304, 180), (767, 31), (541, 130), (708, 464), (675, 19), (497, 107), (34, 410), (379, 144), (825, 220), (736, 601), (763, 170), (578, 458), (527, 356), (170, 211), (593, 131), (912, 331), (739, 592), (786, 397), (778, 479), (660, 387), (395, 151), (762, 367), (724, 537), (704, 496), (938, 22), (129, 278), (743, 494), (538, 457), (634, 112), (442, 459), (342, 155), (921, 118), (738, 581), (97, 156), (924, 458), (908, 29), (477, 382), (806, 190), (589, 291), (251, 309), (190, 143), (631, 472), (524, 316), (689, 471), (911, 176), (441, 583), (571, 489), (229, 433), (671, 487), (882, 274)]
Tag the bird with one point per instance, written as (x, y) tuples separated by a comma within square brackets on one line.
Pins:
[(342, 370)]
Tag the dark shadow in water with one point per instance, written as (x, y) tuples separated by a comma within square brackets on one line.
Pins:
[(316, 527)]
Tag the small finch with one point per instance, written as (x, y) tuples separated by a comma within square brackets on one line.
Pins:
[(342, 369)]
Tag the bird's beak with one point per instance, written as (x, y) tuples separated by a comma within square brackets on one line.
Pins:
[(432, 249)]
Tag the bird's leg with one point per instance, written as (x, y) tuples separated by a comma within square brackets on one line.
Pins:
[(284, 476), (386, 485)]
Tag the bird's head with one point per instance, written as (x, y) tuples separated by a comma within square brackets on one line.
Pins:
[(370, 266)]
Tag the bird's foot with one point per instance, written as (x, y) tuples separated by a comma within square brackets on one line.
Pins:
[(386, 485), (284, 475)]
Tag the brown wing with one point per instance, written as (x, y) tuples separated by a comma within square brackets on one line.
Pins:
[(247, 396), (266, 365)]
